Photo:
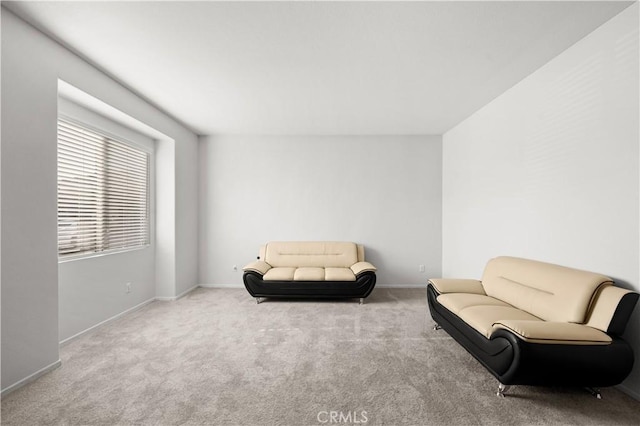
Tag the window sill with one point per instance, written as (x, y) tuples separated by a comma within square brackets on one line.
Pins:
[(101, 254)]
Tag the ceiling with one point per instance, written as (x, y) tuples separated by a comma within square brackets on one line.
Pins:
[(318, 68)]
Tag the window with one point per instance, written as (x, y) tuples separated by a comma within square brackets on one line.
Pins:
[(103, 192)]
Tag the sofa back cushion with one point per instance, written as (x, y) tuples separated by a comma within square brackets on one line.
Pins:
[(550, 292), (311, 254)]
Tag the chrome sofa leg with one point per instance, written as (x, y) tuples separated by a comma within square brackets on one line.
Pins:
[(502, 389), (437, 327), (362, 300), (595, 392), (258, 300)]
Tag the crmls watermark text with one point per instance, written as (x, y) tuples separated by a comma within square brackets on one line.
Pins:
[(354, 417)]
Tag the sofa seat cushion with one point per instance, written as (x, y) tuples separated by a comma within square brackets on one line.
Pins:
[(279, 274), (309, 274), (555, 332), (483, 317), (456, 302)]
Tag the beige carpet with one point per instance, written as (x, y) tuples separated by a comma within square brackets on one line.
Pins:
[(215, 357)]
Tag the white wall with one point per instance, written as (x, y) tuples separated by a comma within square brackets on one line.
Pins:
[(29, 223), (91, 290), (165, 220), (31, 67), (186, 217), (381, 191), (549, 170)]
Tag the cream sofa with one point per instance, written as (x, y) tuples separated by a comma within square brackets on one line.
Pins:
[(535, 323), (309, 269)]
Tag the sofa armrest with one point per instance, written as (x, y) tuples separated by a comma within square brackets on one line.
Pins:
[(361, 267), (258, 266), (611, 309), (455, 285), (555, 333)]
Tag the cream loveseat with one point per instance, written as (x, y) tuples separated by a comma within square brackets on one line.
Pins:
[(310, 270), (534, 323)]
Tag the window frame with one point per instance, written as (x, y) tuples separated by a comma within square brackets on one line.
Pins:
[(84, 122)]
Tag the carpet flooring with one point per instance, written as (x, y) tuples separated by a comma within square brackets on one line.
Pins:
[(214, 357)]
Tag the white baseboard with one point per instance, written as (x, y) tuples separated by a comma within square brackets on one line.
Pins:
[(128, 311), (108, 320), (172, 298), (633, 394), (221, 286), (20, 383), (401, 286)]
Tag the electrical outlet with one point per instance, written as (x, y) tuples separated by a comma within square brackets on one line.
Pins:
[(127, 288), (421, 268)]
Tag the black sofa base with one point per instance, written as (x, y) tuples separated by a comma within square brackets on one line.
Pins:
[(360, 288), (515, 362)]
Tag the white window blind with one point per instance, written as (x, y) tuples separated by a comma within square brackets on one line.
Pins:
[(103, 192)]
